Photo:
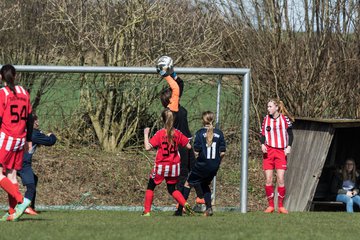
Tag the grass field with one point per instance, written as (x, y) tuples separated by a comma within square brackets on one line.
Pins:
[(162, 225)]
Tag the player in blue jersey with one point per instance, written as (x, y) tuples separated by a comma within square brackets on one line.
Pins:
[(209, 147), (27, 175)]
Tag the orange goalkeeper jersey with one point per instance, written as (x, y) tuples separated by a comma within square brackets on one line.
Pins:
[(175, 95)]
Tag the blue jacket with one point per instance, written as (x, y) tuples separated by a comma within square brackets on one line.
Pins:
[(38, 138)]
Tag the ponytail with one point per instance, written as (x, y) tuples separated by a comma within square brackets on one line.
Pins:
[(282, 108), (209, 135), (168, 119), (8, 73), (208, 118)]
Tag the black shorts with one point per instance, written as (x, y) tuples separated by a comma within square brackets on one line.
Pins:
[(195, 178)]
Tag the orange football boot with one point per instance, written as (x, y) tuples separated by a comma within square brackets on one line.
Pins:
[(269, 210), (283, 210), (30, 211), (200, 200)]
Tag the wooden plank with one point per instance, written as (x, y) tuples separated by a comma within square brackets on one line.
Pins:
[(327, 203), (311, 144), (331, 206), (328, 120)]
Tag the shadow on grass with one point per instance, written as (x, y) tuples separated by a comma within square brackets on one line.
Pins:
[(34, 220)]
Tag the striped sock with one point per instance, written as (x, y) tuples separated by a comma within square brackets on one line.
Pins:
[(281, 196), (269, 190)]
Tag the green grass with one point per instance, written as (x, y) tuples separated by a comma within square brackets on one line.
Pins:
[(162, 225)]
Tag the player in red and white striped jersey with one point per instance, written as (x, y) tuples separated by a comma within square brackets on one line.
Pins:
[(276, 139), (15, 135), (167, 161)]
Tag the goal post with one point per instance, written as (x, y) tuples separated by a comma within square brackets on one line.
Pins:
[(244, 72)]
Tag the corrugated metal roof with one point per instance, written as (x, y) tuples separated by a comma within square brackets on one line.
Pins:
[(336, 122)]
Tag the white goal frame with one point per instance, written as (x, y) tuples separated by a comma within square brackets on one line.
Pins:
[(245, 72)]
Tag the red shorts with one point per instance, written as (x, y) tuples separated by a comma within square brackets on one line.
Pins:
[(11, 152), (11, 160), (159, 178), (274, 159), (169, 172)]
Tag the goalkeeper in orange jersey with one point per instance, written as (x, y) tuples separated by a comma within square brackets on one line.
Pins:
[(170, 98)]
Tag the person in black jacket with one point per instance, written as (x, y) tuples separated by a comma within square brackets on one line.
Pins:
[(27, 175)]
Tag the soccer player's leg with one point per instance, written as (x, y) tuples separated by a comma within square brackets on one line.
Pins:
[(182, 208), (19, 210), (10, 188), (21, 204), (12, 200), (30, 191), (184, 169), (281, 166), (33, 200), (193, 179), (149, 195), (8, 183), (29, 181), (176, 194), (269, 191), (205, 186), (268, 167), (197, 187)]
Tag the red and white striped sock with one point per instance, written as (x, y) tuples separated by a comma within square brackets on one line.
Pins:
[(269, 190), (281, 196)]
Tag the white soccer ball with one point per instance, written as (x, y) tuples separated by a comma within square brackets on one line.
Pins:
[(164, 65)]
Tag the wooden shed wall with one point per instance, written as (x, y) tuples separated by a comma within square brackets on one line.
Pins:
[(311, 144)]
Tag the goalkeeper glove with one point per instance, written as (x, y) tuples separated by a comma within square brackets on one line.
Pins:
[(173, 75), (165, 66)]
